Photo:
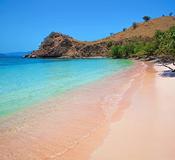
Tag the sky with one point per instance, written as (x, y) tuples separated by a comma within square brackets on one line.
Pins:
[(24, 23)]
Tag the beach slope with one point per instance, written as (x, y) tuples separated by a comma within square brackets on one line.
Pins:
[(147, 129)]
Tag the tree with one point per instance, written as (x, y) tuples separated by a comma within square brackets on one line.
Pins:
[(166, 47), (124, 29), (115, 52), (171, 14), (111, 34), (146, 18), (161, 46), (134, 25), (122, 51)]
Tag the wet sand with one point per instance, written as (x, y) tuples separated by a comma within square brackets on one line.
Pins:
[(125, 116), (147, 129)]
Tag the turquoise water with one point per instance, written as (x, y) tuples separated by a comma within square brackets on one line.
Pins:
[(24, 82)]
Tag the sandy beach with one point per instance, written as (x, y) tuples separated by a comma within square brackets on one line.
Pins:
[(147, 129), (87, 80), (128, 116)]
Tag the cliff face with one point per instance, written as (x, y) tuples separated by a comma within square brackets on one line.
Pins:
[(60, 45)]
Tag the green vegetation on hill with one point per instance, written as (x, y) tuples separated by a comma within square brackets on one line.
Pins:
[(162, 46), (146, 18), (136, 41)]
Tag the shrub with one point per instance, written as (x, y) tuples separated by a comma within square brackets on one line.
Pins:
[(141, 54), (124, 29), (122, 51), (138, 47), (134, 25), (116, 51), (146, 18), (171, 14), (162, 45), (166, 42), (150, 48), (109, 44)]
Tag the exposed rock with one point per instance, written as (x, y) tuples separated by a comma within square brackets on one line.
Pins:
[(60, 45)]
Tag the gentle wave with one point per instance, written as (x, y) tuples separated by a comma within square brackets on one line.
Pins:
[(25, 82), (52, 129)]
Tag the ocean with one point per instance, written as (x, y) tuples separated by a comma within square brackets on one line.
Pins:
[(25, 82)]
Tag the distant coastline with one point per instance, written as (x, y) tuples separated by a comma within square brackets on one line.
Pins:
[(15, 54)]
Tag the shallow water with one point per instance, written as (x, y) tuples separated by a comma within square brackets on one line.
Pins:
[(24, 82), (68, 126)]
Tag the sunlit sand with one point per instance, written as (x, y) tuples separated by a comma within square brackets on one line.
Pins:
[(128, 116)]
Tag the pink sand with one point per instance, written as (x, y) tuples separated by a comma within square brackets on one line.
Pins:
[(125, 116)]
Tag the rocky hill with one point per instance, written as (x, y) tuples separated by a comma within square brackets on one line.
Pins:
[(63, 46), (60, 45)]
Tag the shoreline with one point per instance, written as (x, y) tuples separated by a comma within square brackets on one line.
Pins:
[(67, 57), (66, 91), (51, 131), (88, 122), (147, 130), (53, 79)]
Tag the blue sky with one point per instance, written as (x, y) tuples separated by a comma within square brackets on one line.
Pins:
[(24, 23)]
